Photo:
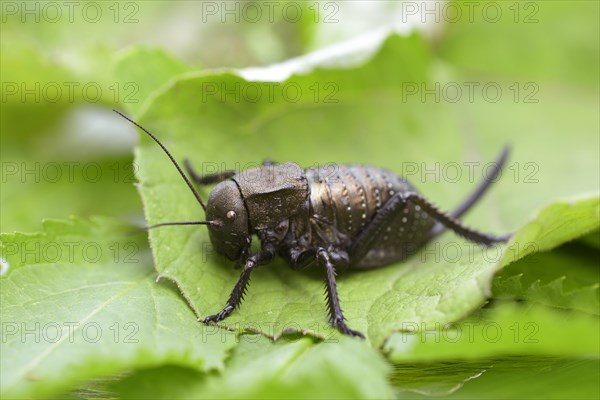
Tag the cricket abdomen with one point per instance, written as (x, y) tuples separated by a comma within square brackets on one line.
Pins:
[(345, 198)]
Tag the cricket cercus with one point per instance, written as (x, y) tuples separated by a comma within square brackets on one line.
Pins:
[(359, 217)]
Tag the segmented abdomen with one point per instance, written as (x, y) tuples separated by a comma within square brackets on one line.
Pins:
[(344, 199)]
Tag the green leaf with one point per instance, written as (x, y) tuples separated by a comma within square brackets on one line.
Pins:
[(145, 70), (210, 119), (33, 190), (504, 378), (61, 241), (259, 369), (83, 303), (592, 239), (565, 278), (504, 330), (556, 224)]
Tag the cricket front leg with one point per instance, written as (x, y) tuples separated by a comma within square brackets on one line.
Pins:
[(265, 255), (336, 316)]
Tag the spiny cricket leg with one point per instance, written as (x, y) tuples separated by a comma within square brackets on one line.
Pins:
[(265, 255), (336, 316), (469, 202), (209, 178), (483, 186), (452, 223), (396, 205)]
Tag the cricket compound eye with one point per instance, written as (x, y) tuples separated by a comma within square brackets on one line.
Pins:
[(230, 230)]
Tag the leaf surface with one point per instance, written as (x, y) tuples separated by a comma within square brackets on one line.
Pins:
[(212, 119), (95, 311)]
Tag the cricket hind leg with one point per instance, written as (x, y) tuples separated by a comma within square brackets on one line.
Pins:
[(448, 221), (474, 197), (395, 207), (216, 177)]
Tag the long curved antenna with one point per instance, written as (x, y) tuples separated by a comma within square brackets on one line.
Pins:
[(178, 223), (185, 178), (147, 228)]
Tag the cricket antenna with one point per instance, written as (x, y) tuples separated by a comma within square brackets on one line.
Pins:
[(185, 178), (147, 228)]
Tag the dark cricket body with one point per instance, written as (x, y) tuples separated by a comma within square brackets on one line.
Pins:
[(344, 199), (337, 216)]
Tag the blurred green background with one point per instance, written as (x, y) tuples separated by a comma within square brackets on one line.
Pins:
[(62, 152), (65, 65)]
